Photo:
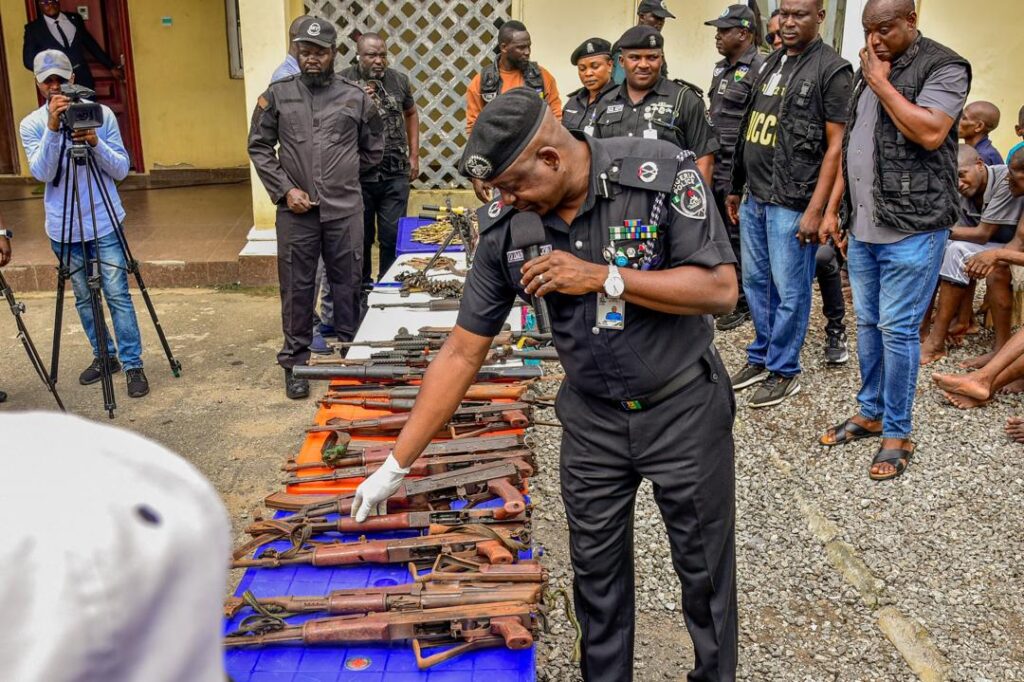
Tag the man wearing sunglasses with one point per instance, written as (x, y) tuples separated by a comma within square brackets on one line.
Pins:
[(65, 31)]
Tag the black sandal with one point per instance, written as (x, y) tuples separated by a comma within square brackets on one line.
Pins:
[(898, 457), (848, 432)]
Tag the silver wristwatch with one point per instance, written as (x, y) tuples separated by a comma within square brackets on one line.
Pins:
[(613, 284), (7, 233)]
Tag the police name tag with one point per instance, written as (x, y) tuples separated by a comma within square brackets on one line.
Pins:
[(650, 134), (588, 130), (611, 312)]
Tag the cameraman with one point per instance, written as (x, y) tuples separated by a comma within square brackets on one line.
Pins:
[(5, 258), (46, 144)]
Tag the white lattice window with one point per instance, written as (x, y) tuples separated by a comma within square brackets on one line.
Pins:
[(440, 45)]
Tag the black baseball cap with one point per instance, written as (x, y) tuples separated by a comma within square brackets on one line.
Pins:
[(317, 31), (734, 16), (655, 7), (589, 48)]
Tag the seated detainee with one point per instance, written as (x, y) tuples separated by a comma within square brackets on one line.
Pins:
[(992, 199), (1004, 373), (980, 119)]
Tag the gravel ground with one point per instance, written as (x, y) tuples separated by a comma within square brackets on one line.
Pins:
[(825, 555)]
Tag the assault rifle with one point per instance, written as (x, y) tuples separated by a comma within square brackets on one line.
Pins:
[(406, 374), (434, 341), (409, 393), (425, 466), (407, 597), (493, 417), (469, 628), (432, 522), (421, 357), (341, 451), (473, 543), (473, 484)]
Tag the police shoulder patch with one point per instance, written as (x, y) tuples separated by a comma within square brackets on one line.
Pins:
[(689, 195), (491, 214)]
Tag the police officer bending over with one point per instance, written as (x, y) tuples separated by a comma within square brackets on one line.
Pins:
[(593, 61), (639, 257), (330, 135), (651, 106)]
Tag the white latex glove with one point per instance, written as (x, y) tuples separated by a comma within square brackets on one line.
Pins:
[(372, 495)]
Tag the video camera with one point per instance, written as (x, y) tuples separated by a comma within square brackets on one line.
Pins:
[(80, 115)]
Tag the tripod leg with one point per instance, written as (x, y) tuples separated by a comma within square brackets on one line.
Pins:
[(133, 267), (58, 321), (63, 267), (26, 340)]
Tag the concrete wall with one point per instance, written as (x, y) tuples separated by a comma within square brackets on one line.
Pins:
[(187, 100)]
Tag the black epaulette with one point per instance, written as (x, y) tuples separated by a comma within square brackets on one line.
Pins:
[(574, 93), (491, 214), (654, 175), (689, 85), (348, 81)]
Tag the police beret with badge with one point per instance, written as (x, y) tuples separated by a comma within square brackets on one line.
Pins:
[(591, 47), (655, 7), (317, 31), (641, 38), (734, 16), (501, 133)]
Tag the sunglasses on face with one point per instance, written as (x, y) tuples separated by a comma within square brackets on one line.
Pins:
[(769, 38)]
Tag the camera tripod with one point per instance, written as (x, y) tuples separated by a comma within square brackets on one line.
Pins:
[(79, 162), (18, 309)]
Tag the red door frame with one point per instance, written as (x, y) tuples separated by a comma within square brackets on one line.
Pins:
[(9, 161), (116, 13)]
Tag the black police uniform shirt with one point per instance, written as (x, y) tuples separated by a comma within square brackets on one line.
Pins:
[(731, 90), (627, 177), (393, 97), (762, 128), (579, 113), (668, 111)]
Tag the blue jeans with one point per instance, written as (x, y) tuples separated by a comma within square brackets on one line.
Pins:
[(114, 283), (892, 285), (777, 276)]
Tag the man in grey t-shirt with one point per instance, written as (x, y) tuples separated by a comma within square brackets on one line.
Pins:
[(900, 178), (991, 211)]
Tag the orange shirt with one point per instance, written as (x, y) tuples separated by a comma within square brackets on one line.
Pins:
[(510, 80)]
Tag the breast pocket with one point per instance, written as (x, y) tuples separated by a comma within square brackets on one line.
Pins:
[(610, 119), (345, 126), (294, 120)]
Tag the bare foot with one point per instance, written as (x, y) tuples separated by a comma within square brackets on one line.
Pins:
[(932, 351), (964, 384), (963, 402), (1013, 387), (972, 329), (1015, 429), (977, 362)]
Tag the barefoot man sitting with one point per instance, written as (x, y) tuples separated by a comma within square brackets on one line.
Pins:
[(991, 204)]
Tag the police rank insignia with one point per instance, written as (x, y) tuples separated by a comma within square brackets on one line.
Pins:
[(689, 198), (719, 70), (478, 167)]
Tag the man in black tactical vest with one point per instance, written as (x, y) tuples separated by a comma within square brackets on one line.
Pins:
[(512, 69), (787, 160), (652, 107), (731, 90), (899, 198)]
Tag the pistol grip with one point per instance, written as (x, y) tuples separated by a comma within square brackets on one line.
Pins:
[(513, 632), (514, 502), (517, 419), (494, 552)]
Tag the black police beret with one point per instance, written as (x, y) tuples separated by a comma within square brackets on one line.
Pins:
[(655, 7), (589, 48), (501, 133), (641, 38)]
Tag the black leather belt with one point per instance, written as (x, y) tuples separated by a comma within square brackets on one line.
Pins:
[(704, 364)]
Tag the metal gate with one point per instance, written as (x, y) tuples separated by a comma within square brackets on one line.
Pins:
[(440, 45)]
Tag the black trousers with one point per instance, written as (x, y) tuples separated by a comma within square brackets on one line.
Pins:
[(384, 203), (301, 241), (830, 282), (733, 229), (684, 446)]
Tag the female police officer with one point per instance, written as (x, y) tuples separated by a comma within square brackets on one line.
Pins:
[(639, 259)]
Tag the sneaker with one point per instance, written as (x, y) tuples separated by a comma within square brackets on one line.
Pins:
[(94, 372), (732, 320), (774, 390), (319, 344), (748, 376), (3, 397), (836, 350), (138, 384), (295, 388)]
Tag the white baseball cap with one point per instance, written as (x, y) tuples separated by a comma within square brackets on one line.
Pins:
[(52, 62), (114, 559)]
